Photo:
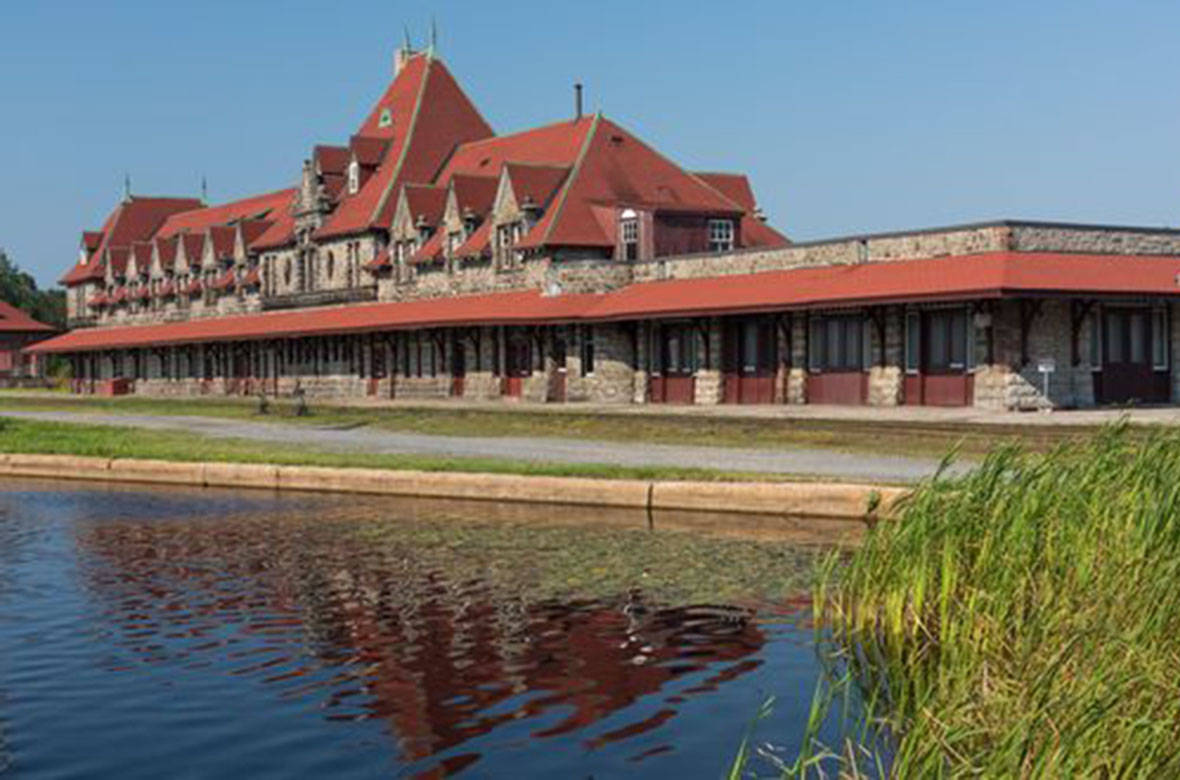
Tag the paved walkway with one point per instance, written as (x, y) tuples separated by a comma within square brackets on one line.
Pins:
[(800, 461)]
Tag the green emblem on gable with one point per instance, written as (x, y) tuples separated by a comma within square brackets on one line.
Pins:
[(386, 118)]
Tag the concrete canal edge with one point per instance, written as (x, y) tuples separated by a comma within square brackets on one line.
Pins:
[(819, 500)]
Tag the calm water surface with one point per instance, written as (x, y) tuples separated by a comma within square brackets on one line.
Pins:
[(148, 633)]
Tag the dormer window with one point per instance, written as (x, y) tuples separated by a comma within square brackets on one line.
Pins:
[(386, 118), (720, 235), (354, 177), (629, 234)]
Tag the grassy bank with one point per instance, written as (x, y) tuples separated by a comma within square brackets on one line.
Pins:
[(106, 441), (929, 439), (1023, 620)]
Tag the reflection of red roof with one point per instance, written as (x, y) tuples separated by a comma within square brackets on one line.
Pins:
[(429, 115), (253, 277), (98, 299), (143, 293), (194, 287), (167, 289), (119, 295), (968, 277)]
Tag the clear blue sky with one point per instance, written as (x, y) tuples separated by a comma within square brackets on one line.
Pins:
[(848, 116)]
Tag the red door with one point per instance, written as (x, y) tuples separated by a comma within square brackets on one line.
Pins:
[(748, 360), (458, 367), (518, 363), (679, 389), (1128, 356)]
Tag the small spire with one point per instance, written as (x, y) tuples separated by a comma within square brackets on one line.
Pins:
[(204, 190), (407, 47), (433, 36), (126, 187)]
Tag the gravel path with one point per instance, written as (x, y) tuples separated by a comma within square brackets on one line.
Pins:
[(810, 461)]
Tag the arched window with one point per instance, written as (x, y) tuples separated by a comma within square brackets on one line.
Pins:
[(331, 265), (354, 177), (629, 234)]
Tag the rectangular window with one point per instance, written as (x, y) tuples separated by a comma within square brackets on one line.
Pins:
[(587, 350), (946, 348), (866, 345), (837, 343), (629, 232), (1138, 323), (720, 235), (1159, 339), (1115, 337), (677, 349), (913, 342)]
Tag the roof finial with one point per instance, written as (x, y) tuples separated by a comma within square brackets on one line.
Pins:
[(204, 189), (433, 36), (407, 47), (126, 187)]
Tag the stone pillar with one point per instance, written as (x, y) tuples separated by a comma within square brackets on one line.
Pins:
[(709, 382), (641, 359), (887, 371), (796, 389)]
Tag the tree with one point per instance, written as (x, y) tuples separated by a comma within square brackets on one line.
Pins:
[(20, 289)]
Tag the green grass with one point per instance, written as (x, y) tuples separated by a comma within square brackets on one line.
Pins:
[(1020, 621), (106, 441), (924, 439)]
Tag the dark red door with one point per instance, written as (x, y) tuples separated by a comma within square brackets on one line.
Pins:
[(458, 367), (1128, 374), (748, 361), (518, 363)]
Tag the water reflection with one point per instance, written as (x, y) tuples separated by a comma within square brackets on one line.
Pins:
[(297, 603)]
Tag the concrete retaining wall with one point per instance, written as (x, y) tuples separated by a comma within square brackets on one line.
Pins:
[(802, 499)]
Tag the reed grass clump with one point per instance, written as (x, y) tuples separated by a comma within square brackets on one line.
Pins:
[(1020, 621)]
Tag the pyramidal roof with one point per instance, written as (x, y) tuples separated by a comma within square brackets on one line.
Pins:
[(423, 116)]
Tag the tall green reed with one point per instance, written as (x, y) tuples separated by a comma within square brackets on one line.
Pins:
[(1020, 621)]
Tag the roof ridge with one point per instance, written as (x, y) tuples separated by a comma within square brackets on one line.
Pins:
[(405, 150), (572, 177)]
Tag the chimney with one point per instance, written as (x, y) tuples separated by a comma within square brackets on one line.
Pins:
[(578, 100)]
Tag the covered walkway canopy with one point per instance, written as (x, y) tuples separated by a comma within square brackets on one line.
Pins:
[(959, 278)]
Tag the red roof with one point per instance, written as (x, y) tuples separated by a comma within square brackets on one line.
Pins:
[(91, 239), (381, 260), (227, 281), (478, 243), (556, 144), (166, 248), (535, 184), (734, 186), (331, 159), (497, 308), (136, 219), (428, 117), (223, 241), (425, 202), (194, 247), (963, 278), (474, 194), (13, 320), (430, 251), (142, 252), (255, 207)]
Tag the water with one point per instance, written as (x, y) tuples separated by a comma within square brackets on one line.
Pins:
[(164, 633)]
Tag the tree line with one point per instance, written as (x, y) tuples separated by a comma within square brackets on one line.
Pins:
[(20, 289)]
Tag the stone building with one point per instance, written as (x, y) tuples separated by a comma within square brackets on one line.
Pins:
[(429, 257)]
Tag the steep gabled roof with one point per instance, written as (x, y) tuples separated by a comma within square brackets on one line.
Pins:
[(256, 207), (135, 219), (478, 243), (331, 159), (222, 237), (556, 144), (428, 116), (533, 183), (473, 193), (430, 251), (735, 186), (253, 230), (615, 167), (141, 251), (425, 202), (166, 249), (91, 240)]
